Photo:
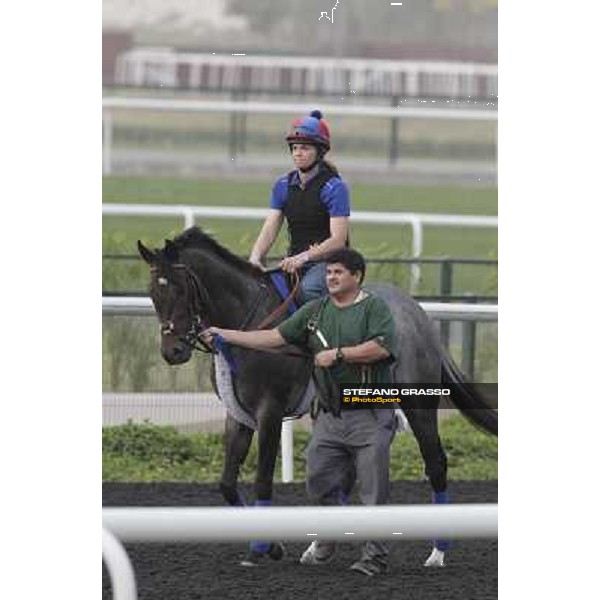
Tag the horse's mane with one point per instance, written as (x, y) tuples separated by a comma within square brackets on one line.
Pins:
[(194, 237)]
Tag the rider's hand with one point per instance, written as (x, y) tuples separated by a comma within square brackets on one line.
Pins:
[(257, 262), (290, 264)]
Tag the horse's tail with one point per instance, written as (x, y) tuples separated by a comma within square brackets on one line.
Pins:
[(467, 398)]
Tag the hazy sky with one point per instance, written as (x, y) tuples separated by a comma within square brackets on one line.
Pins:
[(129, 13)]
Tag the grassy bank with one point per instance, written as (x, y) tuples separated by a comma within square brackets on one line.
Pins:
[(147, 452), (121, 233)]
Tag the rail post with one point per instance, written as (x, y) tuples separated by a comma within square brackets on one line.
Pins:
[(417, 249), (468, 345), (233, 127), (394, 127), (242, 133), (107, 130), (445, 290), (287, 451)]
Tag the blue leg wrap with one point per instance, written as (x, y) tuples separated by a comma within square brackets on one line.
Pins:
[(258, 546), (343, 498), (441, 498), (241, 501)]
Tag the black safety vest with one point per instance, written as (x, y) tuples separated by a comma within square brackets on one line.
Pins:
[(307, 218)]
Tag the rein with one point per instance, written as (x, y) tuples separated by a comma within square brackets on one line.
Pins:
[(198, 298), (283, 307)]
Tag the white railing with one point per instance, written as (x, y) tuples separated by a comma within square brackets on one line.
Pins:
[(411, 522), (119, 567), (216, 524), (142, 305), (416, 221), (296, 75), (253, 107), (178, 105)]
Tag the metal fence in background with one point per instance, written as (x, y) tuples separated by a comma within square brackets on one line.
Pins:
[(238, 109)]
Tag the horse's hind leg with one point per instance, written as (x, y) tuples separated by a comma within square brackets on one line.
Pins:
[(237, 441), (423, 422)]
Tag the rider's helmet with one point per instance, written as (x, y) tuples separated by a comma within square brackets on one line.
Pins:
[(310, 130)]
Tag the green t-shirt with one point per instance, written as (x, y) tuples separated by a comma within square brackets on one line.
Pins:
[(368, 319)]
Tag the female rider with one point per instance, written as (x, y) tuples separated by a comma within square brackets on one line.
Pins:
[(315, 202)]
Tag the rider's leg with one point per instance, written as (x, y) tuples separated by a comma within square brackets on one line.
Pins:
[(313, 284)]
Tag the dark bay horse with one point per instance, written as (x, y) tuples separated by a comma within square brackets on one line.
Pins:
[(196, 282)]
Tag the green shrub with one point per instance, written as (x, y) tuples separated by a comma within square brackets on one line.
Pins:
[(146, 452), (147, 442)]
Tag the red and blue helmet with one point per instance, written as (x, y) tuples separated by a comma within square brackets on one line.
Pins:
[(310, 130)]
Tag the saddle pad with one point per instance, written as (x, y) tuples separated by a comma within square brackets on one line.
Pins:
[(227, 395)]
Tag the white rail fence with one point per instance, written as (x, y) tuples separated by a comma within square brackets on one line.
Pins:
[(294, 75), (142, 305), (410, 522), (417, 221), (118, 566), (110, 104)]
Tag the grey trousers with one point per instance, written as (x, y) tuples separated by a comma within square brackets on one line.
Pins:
[(356, 442)]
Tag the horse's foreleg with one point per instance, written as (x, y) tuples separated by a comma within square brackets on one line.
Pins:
[(423, 423), (237, 441), (269, 433)]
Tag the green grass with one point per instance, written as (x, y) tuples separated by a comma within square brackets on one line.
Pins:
[(121, 233), (151, 453), (218, 192), (209, 133)]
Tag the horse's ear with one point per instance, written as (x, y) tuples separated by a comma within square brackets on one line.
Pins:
[(171, 251), (146, 254)]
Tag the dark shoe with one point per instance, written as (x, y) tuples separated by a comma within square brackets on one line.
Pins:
[(254, 559), (318, 553), (369, 567)]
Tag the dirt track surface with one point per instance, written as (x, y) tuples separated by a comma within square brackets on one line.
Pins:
[(194, 571)]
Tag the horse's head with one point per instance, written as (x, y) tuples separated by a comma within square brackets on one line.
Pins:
[(175, 299)]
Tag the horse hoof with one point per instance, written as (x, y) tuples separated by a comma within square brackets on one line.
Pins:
[(436, 559), (276, 551), (252, 559)]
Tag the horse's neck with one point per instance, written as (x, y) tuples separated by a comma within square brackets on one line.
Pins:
[(231, 291)]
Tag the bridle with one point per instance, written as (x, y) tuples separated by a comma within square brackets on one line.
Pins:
[(197, 297), (198, 302)]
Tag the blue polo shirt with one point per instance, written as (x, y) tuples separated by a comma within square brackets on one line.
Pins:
[(334, 195)]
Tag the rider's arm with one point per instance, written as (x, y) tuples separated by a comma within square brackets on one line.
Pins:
[(338, 227), (267, 236), (335, 195)]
